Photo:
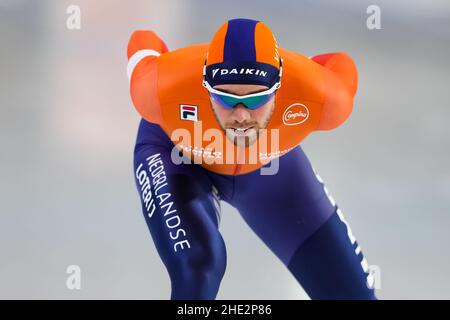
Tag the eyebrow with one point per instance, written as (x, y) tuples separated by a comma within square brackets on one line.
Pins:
[(227, 91)]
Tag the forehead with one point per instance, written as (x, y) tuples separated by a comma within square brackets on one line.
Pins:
[(240, 89)]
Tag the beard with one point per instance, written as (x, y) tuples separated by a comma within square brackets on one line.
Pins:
[(248, 139)]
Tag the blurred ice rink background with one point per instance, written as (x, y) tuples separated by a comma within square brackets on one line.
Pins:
[(67, 131)]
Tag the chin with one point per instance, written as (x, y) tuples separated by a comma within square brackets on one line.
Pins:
[(243, 141)]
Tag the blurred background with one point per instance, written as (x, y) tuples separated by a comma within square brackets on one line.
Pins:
[(67, 131)]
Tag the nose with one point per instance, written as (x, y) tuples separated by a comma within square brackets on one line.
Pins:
[(241, 113)]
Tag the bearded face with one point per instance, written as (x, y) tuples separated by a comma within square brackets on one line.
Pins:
[(240, 124)]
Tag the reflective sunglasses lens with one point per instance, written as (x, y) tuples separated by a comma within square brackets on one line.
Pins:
[(256, 102), (251, 103), (225, 101)]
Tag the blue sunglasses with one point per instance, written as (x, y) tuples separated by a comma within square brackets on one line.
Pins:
[(251, 101)]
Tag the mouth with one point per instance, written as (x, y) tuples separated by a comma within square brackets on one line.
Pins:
[(241, 131)]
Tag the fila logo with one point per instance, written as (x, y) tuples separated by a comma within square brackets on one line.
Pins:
[(256, 72), (188, 112)]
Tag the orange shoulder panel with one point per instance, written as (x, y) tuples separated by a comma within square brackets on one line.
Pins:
[(144, 73), (341, 81)]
